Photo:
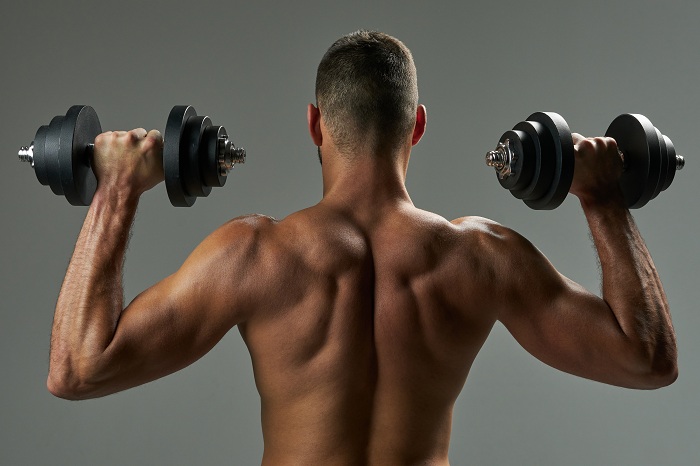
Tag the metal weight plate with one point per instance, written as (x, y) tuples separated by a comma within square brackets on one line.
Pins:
[(671, 166), (563, 161), (524, 167), (637, 139), (664, 163), (190, 153), (171, 156), (40, 162), (211, 171), (541, 173), (79, 128), (52, 145)]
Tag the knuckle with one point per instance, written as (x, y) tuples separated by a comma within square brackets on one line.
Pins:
[(102, 137), (611, 143), (135, 134), (156, 137), (106, 139), (149, 144), (586, 145)]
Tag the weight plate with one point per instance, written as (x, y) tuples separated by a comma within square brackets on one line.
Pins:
[(663, 171), (671, 166), (52, 145), (211, 171), (40, 155), (542, 170), (171, 156), (80, 127), (563, 155), (636, 138), (523, 168), (190, 153)]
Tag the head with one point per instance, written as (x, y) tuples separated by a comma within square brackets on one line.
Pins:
[(367, 93)]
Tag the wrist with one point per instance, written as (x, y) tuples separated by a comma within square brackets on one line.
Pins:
[(116, 196), (613, 199), (605, 211)]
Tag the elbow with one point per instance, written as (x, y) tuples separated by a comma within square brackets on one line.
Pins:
[(64, 384), (653, 365), (62, 389), (664, 373), (79, 377), (657, 374), (664, 364)]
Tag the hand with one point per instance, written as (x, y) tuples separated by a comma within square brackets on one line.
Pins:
[(131, 161), (597, 169)]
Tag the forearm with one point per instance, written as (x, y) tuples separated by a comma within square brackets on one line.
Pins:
[(631, 286), (91, 298)]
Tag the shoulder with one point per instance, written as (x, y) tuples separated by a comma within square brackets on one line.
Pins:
[(483, 228), (236, 241), (496, 239), (242, 230), (247, 224)]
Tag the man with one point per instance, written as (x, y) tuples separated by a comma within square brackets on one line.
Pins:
[(362, 314)]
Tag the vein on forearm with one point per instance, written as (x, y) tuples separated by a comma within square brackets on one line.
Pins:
[(91, 298), (631, 285)]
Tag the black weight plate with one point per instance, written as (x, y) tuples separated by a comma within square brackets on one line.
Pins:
[(171, 155), (664, 163), (671, 168), (536, 184), (80, 127), (522, 170), (190, 152), (40, 155), (636, 138), (52, 144), (563, 161), (544, 160), (211, 171)]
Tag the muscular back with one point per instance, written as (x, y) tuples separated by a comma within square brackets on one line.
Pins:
[(362, 349), (362, 314)]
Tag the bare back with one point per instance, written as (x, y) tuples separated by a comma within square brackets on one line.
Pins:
[(362, 314), (362, 349)]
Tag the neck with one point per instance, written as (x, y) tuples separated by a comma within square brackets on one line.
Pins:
[(365, 180)]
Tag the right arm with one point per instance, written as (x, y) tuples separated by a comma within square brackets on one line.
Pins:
[(625, 338), (98, 347)]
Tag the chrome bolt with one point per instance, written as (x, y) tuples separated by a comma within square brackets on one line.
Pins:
[(26, 154), (502, 159), (680, 162)]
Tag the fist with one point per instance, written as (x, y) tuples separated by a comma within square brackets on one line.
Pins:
[(131, 161), (597, 169)]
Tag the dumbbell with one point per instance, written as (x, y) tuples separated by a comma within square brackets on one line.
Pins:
[(535, 160), (197, 155)]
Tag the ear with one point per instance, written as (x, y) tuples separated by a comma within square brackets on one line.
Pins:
[(421, 121), (313, 116)]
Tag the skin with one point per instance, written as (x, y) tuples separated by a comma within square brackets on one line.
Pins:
[(362, 314)]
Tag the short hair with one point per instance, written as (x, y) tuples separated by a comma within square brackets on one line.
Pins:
[(367, 90)]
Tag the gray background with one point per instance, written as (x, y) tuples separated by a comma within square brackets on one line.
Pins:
[(482, 67)]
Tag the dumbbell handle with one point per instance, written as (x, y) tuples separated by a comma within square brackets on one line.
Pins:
[(503, 159), (228, 155)]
